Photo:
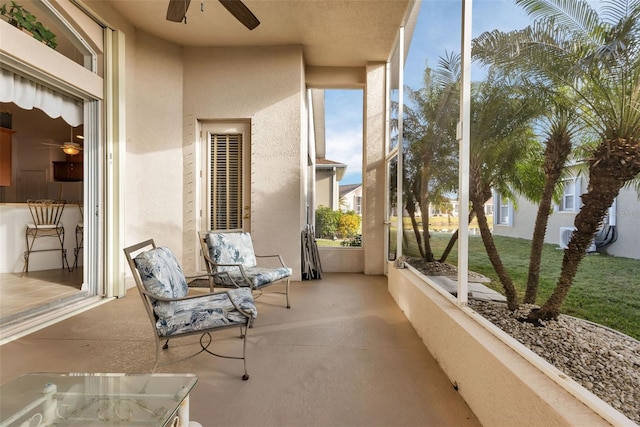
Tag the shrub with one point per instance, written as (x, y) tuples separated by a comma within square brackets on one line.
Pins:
[(326, 222), (348, 224), (353, 241)]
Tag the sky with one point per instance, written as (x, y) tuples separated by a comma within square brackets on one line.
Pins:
[(437, 31)]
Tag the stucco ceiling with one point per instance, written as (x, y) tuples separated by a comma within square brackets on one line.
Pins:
[(336, 33)]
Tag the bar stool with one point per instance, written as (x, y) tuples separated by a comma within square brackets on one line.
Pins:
[(46, 215), (79, 236)]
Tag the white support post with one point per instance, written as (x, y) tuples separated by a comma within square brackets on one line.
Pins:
[(464, 137), (400, 167)]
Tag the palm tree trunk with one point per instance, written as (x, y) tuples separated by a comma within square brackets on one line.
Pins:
[(453, 240), (411, 210), (492, 253), (424, 208), (614, 163), (556, 153), (427, 161)]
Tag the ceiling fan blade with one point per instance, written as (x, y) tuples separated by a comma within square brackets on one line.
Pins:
[(177, 10), (241, 13)]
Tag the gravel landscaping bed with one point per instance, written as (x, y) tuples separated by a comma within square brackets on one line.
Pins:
[(602, 360)]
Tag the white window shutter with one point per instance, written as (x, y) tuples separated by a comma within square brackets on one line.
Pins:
[(226, 182)]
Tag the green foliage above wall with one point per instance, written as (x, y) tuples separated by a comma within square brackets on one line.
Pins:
[(21, 18)]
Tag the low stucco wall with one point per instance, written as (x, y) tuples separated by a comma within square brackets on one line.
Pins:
[(342, 260), (500, 385)]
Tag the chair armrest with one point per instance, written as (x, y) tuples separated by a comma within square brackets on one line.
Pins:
[(242, 272), (240, 309), (212, 263), (273, 256), (187, 297), (208, 276), (227, 265)]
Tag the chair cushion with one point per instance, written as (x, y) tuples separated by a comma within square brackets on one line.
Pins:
[(231, 248), (48, 226), (162, 276), (208, 312), (259, 276)]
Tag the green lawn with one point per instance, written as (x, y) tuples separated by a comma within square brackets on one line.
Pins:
[(606, 289), (328, 242)]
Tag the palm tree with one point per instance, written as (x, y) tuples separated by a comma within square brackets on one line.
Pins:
[(430, 156), (501, 138), (558, 126), (595, 60), (558, 147)]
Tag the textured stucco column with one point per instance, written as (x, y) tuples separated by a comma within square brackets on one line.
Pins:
[(373, 169)]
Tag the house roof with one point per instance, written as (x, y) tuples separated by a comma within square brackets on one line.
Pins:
[(332, 33), (330, 163), (348, 188), (340, 168)]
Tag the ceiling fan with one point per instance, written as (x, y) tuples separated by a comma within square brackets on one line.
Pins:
[(70, 148), (177, 11)]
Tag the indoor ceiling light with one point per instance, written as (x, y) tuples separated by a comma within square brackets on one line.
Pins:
[(70, 150)]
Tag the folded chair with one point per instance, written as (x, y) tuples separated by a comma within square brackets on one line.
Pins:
[(231, 261), (163, 289)]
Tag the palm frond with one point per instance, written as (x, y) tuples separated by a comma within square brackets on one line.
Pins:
[(449, 69), (576, 15), (616, 10)]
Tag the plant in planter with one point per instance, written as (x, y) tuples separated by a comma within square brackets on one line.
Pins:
[(21, 18)]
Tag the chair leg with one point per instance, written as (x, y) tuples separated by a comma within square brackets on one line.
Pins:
[(63, 250), (79, 245), (27, 253), (245, 377), (287, 293)]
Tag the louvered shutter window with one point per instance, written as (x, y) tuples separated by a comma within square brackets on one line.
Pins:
[(226, 182)]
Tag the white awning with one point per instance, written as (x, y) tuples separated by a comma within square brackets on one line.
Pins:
[(27, 94)]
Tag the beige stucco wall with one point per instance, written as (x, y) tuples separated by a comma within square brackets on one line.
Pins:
[(168, 88), (627, 220), (342, 259), (265, 86), (373, 169), (22, 51), (324, 188), (163, 110), (501, 386), (154, 192)]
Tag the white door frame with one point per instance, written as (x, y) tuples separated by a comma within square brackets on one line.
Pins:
[(207, 127)]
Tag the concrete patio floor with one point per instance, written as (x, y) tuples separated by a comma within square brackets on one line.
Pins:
[(343, 355)]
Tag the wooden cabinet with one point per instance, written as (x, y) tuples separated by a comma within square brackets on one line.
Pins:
[(5, 157), (67, 171)]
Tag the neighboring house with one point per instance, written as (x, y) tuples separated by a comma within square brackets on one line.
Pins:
[(435, 210), (619, 234), (351, 198), (200, 125), (327, 187)]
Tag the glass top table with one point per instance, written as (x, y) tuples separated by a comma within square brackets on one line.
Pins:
[(79, 399)]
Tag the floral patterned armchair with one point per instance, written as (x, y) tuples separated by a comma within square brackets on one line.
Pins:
[(173, 313), (231, 261)]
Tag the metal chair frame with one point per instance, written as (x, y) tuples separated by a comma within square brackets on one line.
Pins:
[(46, 216), (205, 335), (79, 236), (246, 281)]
